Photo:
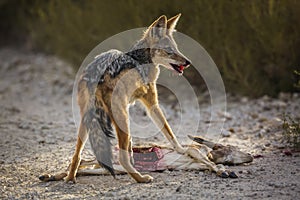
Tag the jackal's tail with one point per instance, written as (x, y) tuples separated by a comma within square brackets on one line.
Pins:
[(100, 131), (201, 140)]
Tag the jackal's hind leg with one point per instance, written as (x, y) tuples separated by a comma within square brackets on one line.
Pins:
[(81, 139), (84, 164)]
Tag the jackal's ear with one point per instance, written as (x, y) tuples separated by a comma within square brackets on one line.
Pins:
[(172, 22), (158, 28)]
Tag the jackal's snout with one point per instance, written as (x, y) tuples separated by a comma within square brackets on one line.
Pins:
[(179, 66)]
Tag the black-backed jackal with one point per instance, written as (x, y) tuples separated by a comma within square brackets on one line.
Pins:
[(113, 81)]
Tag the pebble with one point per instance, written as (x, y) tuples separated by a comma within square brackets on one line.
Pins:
[(226, 133), (259, 135), (262, 132), (287, 152), (231, 130), (24, 125), (45, 127), (227, 115), (262, 119), (254, 115), (178, 188)]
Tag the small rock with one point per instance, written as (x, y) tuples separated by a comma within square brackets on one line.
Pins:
[(254, 115), (227, 115), (262, 132), (232, 130), (261, 169), (226, 133), (178, 188), (244, 172), (268, 144), (287, 152), (259, 135), (266, 107), (24, 125), (45, 127), (268, 130), (262, 119)]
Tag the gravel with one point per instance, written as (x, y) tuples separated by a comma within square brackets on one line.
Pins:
[(38, 136)]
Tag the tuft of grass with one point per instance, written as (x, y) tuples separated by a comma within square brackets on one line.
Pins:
[(291, 131)]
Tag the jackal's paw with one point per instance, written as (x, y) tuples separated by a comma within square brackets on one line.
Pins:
[(145, 179), (71, 179)]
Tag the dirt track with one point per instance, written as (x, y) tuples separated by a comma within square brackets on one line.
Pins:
[(38, 135)]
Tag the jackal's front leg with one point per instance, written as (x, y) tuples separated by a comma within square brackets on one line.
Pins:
[(161, 122), (151, 103), (120, 119)]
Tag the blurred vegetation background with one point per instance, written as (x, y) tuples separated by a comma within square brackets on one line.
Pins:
[(255, 44)]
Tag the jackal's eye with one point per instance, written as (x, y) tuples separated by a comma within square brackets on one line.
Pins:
[(169, 50)]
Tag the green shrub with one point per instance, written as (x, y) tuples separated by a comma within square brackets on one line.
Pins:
[(291, 131)]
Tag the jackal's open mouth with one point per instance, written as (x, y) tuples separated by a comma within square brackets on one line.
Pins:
[(178, 68)]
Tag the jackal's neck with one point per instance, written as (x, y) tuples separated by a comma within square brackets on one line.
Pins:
[(140, 52), (142, 56)]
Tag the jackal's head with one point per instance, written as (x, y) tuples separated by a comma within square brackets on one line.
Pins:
[(164, 51)]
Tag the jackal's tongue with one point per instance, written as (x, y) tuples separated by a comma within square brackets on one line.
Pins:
[(181, 67)]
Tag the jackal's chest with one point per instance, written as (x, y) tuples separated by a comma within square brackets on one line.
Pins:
[(142, 88), (139, 93)]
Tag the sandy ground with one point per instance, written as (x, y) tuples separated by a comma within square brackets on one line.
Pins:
[(38, 135)]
